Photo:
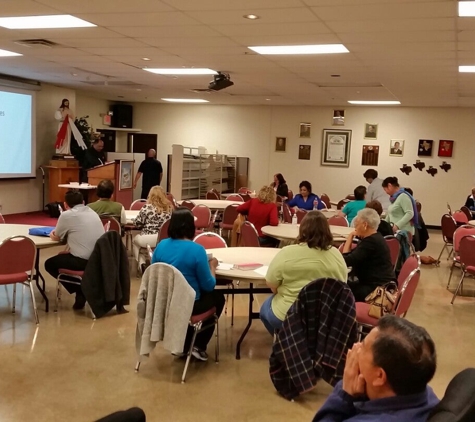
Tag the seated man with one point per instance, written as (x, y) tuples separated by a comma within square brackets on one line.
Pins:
[(351, 208), (104, 206), (385, 377), (470, 202), (80, 227)]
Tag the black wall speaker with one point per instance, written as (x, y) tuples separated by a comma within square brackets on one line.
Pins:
[(122, 115)]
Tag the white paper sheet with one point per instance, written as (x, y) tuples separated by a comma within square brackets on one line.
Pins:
[(225, 267), (262, 270)]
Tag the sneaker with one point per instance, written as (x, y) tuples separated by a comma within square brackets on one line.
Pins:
[(199, 354)]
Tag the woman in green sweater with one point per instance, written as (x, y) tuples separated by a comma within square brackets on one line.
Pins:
[(402, 213)]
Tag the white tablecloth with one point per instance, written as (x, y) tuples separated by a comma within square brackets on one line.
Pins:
[(8, 230), (214, 204), (290, 232)]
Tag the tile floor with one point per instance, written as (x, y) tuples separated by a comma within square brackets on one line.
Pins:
[(71, 368)]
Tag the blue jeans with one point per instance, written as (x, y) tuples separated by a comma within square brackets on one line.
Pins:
[(268, 318)]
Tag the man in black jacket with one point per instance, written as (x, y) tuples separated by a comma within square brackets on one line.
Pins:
[(94, 157)]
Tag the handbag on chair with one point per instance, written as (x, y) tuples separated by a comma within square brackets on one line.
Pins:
[(382, 300)]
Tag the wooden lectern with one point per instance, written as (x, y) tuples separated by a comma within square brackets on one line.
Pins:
[(120, 172), (58, 176)]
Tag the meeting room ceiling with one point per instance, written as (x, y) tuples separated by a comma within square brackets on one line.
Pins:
[(406, 50)]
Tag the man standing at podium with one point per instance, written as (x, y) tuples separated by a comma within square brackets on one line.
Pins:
[(152, 172), (94, 157)]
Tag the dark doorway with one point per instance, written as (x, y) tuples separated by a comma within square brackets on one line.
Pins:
[(141, 142)]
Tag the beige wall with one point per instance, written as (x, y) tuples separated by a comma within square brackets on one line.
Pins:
[(92, 107)]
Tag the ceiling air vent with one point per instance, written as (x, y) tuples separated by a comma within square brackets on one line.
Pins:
[(38, 42)]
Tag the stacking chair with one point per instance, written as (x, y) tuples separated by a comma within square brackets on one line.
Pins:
[(286, 214), (341, 204), (137, 204), (407, 281), (229, 216), (449, 209), (71, 277), (467, 212), (350, 197), (461, 232), (128, 228), (235, 197), (113, 223), (326, 200), (291, 195), (17, 265), (249, 235), (212, 195), (172, 200), (2, 220), (448, 225), (338, 220), (163, 233), (300, 215), (188, 204), (245, 196), (467, 260), (394, 248), (460, 217), (243, 190), (203, 218), (213, 241)]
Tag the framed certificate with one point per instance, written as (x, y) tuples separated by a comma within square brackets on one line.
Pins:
[(336, 147)]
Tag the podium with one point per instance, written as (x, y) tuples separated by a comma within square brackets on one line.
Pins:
[(120, 172), (60, 176)]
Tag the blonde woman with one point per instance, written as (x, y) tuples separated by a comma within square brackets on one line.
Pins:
[(262, 211), (150, 219)]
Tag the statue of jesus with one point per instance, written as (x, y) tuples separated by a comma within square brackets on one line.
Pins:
[(65, 117)]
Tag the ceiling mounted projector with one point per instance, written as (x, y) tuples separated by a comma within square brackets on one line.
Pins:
[(221, 81)]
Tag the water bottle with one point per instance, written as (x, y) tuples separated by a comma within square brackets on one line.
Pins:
[(294, 219), (315, 205)]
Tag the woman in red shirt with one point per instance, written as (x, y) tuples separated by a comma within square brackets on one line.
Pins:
[(262, 211)]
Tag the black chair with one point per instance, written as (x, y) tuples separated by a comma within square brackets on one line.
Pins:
[(458, 404), (135, 414)]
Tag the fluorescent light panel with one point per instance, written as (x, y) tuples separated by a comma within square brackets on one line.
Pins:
[(466, 8), (375, 102), (185, 100), (6, 53), (301, 49), (467, 69), (44, 22), (183, 71)]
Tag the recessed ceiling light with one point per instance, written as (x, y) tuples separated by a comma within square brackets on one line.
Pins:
[(252, 17), (184, 100), (74, 74), (467, 69), (146, 59), (267, 99), (375, 102), (301, 49), (42, 22), (183, 71), (466, 8), (6, 53)]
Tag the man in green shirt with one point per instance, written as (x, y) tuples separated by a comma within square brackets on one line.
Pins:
[(104, 206)]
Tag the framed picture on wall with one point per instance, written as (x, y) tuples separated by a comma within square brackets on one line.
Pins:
[(304, 130), (304, 152), (370, 156), (370, 131), (125, 172), (396, 147), (425, 148), (336, 147), (446, 148), (338, 118), (280, 144)]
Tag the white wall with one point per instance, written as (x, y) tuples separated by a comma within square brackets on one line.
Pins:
[(92, 107), (251, 130)]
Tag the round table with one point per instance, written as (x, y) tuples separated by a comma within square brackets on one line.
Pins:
[(291, 232), (472, 222), (130, 215), (214, 204), (41, 242)]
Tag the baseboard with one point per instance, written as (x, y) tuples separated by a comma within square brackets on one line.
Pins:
[(434, 227)]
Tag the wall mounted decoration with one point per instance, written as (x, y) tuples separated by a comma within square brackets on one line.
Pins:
[(446, 148), (338, 118), (425, 148), (396, 147), (280, 144), (304, 130), (336, 147), (419, 165), (304, 152), (432, 171), (370, 131), (445, 166), (370, 155), (406, 169)]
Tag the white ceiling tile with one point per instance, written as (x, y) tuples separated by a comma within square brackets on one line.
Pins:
[(75, 33), (25, 8), (189, 42), (99, 42), (397, 48), (126, 51), (262, 29), (365, 2), (383, 25), (301, 39), (106, 6), (207, 51), (138, 19), (397, 36), (249, 5), (166, 31)]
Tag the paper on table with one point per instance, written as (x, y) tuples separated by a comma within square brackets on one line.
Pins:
[(262, 270), (225, 267)]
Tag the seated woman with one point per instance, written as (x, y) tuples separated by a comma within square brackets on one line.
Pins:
[(384, 227), (262, 211), (305, 199), (402, 213), (297, 265), (150, 220), (280, 185), (190, 259), (371, 259), (351, 208)]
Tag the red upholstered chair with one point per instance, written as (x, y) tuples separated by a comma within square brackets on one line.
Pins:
[(244, 190), (350, 197), (338, 220), (341, 204), (235, 197), (394, 248), (448, 225), (172, 200), (249, 235), (211, 194), (17, 265), (163, 233), (137, 204), (460, 217), (467, 212), (113, 224), (203, 217), (407, 283), (286, 214), (71, 277), (229, 216), (188, 204), (449, 209), (467, 260), (326, 200), (128, 228), (2, 220), (461, 232), (300, 215), (245, 196), (291, 195)]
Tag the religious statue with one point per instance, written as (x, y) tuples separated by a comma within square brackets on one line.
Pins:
[(65, 117)]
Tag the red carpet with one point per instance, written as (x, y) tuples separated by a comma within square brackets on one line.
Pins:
[(38, 218)]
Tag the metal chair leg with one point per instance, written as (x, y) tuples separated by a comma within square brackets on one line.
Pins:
[(441, 252), (137, 366), (232, 306), (458, 287), (34, 302), (196, 328), (216, 347), (14, 298), (451, 272), (58, 296)]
